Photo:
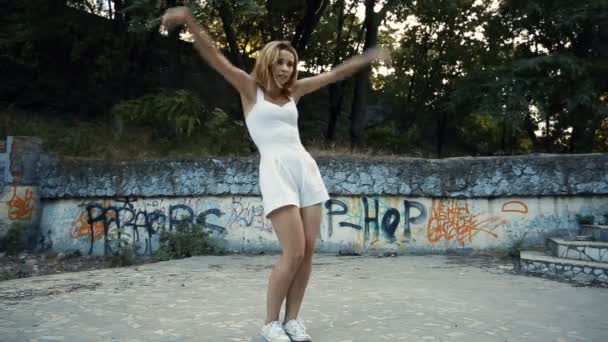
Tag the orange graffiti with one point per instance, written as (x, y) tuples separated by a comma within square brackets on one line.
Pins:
[(451, 220), (515, 207), (20, 208), (80, 226)]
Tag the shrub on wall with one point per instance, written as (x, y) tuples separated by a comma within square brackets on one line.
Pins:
[(180, 111), (584, 219), (187, 240), (15, 240), (124, 249), (181, 122)]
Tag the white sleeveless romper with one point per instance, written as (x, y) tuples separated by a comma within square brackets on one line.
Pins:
[(288, 174)]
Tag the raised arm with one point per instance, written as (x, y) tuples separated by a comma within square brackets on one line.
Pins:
[(238, 78), (342, 71)]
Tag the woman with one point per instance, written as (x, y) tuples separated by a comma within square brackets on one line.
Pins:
[(291, 185)]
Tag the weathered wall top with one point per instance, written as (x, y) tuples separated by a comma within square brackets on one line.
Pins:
[(3, 163), (530, 175), (18, 160)]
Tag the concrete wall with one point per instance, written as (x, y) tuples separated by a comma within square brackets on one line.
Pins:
[(19, 197), (358, 224), (377, 206)]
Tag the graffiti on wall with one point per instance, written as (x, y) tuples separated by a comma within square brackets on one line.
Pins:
[(98, 221), (21, 207), (515, 207), (452, 219), (247, 213), (376, 224), (375, 220)]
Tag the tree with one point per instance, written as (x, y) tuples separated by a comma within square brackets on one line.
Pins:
[(371, 23), (438, 49), (554, 61), (334, 39), (312, 14)]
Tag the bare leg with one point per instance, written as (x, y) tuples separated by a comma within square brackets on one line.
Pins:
[(287, 224), (311, 219)]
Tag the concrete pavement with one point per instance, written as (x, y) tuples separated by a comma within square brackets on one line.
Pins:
[(222, 298)]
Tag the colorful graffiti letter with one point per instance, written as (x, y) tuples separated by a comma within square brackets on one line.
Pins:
[(81, 227), (450, 220), (20, 208), (515, 207)]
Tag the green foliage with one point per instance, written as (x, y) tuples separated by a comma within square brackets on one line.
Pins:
[(480, 131), (434, 54), (546, 55), (388, 139), (225, 135), (187, 240), (322, 51), (15, 240), (601, 137), (557, 66), (120, 242), (585, 219), (517, 244), (180, 111), (467, 75), (145, 15), (63, 135), (179, 116), (58, 58)]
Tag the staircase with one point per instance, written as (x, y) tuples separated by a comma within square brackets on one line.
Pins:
[(582, 259)]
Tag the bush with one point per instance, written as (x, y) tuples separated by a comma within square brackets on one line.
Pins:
[(584, 219), (225, 136), (124, 249), (183, 124), (187, 240), (15, 240), (517, 244), (601, 137), (179, 110), (387, 139)]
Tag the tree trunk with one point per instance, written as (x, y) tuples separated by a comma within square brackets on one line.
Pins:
[(503, 140), (574, 139), (548, 138), (336, 95), (304, 29), (110, 14), (441, 125), (371, 23), (530, 130), (176, 65), (120, 19), (358, 108), (272, 27), (336, 89), (226, 16)]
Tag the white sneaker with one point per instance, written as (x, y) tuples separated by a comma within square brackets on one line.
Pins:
[(273, 332), (296, 330)]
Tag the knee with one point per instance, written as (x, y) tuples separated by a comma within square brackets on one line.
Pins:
[(294, 258), (309, 250)]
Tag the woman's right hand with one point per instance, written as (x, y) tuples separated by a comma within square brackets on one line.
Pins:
[(176, 16)]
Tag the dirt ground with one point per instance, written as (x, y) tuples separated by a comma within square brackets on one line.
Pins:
[(27, 265)]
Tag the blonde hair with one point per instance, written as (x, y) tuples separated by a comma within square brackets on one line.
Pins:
[(268, 56)]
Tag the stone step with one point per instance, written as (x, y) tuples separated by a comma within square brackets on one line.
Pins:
[(583, 272), (598, 232), (578, 250), (580, 238)]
